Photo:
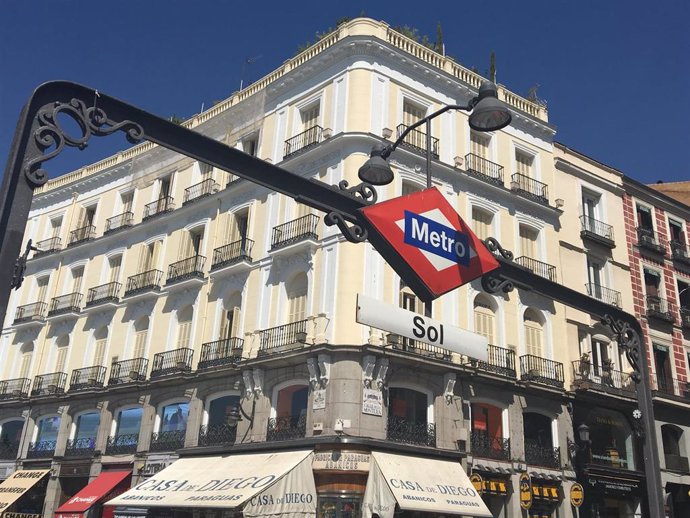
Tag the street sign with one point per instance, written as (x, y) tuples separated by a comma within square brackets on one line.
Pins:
[(427, 243), (405, 323), (525, 491), (577, 494)]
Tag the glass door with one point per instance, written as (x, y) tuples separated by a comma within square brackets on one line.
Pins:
[(335, 506)]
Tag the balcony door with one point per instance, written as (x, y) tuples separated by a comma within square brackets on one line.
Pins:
[(487, 434), (408, 417), (539, 450)]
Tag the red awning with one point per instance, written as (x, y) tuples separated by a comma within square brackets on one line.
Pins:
[(91, 494)]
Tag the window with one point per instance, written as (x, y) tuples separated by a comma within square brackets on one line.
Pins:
[(206, 171), (412, 112), (87, 429), (601, 354), (482, 221), (141, 330), (537, 429), (612, 439), (165, 184), (528, 241), (484, 320), (290, 407), (114, 265), (310, 116), (590, 205), (27, 351), (41, 289), (219, 409), (479, 144), (676, 231), (595, 277), (409, 188), (652, 281), (672, 439), (87, 216), (523, 163), (487, 437), (129, 422), (410, 302), (662, 366), (644, 217), (533, 333), (11, 432), (250, 144), (127, 199), (184, 327), (191, 243), (77, 278), (174, 417), (297, 298), (100, 345), (236, 226), (47, 429), (148, 258), (55, 227), (683, 294), (230, 321), (61, 348)]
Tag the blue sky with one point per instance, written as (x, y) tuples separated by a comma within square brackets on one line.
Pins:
[(615, 74)]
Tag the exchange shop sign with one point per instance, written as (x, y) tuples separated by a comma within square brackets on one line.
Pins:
[(577, 494), (525, 491)]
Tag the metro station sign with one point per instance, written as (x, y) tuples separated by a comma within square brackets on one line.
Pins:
[(427, 243)]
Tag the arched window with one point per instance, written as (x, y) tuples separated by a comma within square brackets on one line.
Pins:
[(61, 348), (484, 318), (672, 439), (289, 412), (47, 429), (408, 417), (125, 431), (534, 333), (184, 327), (141, 330), (221, 425), (27, 351), (10, 436), (487, 437), (297, 297), (84, 432), (172, 427), (539, 450), (100, 344)]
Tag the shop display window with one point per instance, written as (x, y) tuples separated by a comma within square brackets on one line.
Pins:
[(612, 439)]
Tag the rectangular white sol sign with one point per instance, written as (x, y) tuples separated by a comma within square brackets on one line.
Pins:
[(405, 323)]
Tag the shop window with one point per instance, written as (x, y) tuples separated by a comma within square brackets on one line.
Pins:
[(47, 429), (174, 417), (611, 439)]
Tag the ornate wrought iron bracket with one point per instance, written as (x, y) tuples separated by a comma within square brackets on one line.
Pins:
[(353, 233), (20, 266), (629, 340), (364, 191)]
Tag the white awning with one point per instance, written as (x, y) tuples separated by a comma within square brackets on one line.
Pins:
[(419, 484), (262, 484)]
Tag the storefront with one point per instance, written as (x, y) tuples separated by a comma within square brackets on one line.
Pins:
[(677, 500), (340, 478), (87, 502), (24, 492), (495, 489), (546, 495), (613, 496)]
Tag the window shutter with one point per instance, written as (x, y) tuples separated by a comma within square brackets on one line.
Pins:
[(533, 339), (56, 227), (484, 324), (145, 258), (25, 365), (140, 343), (479, 145), (77, 276), (127, 200), (235, 323), (184, 333), (42, 289), (186, 246), (528, 240), (99, 351), (61, 359), (115, 264), (523, 164)]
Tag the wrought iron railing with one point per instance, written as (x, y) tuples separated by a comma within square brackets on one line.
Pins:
[(232, 253), (538, 455), (594, 228), (419, 348), (87, 378), (685, 317), (485, 446), (604, 294), (541, 370), (145, 281), (272, 340), (82, 447), (30, 312), (529, 188), (217, 434), (221, 352), (192, 267), (9, 450), (501, 361), (484, 169), (119, 222), (540, 268), (79, 235), (160, 206), (104, 293), (665, 385), (647, 239), (53, 383), (303, 141), (661, 308), (122, 444), (408, 431), (14, 388), (283, 428), (200, 190), (70, 303), (41, 450), (293, 231), (48, 246), (172, 362), (128, 371), (679, 252), (602, 376), (415, 141), (676, 463), (167, 441)]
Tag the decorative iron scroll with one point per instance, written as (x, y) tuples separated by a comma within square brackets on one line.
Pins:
[(363, 191), (494, 283), (353, 233), (494, 246), (629, 340)]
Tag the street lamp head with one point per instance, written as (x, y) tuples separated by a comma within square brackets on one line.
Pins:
[(583, 433), (376, 170), (489, 114)]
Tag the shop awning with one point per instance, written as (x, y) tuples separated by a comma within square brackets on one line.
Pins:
[(17, 484), (419, 484), (261, 484), (91, 494)]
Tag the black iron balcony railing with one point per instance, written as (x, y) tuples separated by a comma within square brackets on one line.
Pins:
[(172, 362), (661, 309), (104, 293), (48, 246), (82, 447), (604, 294), (604, 377), (408, 431), (676, 463), (70, 303), (541, 370), (667, 386), (595, 229), (79, 235), (217, 434), (529, 188), (274, 339), (167, 441), (200, 190), (501, 361), (41, 450), (679, 252), (485, 446), (145, 281), (538, 455), (221, 353), (122, 444), (540, 268), (9, 450), (46, 384), (294, 231), (284, 428), (192, 267), (685, 317), (87, 378), (128, 371), (484, 169), (119, 222), (303, 141), (14, 388), (647, 239), (419, 348), (232, 253), (31, 312), (159, 207), (416, 141)]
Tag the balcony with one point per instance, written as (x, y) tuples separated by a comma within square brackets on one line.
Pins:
[(49, 384), (501, 361), (122, 444), (676, 463), (81, 235), (9, 450), (177, 361), (300, 229), (143, 282), (647, 240), (167, 441), (484, 169), (666, 386), (416, 141), (221, 353), (69, 304), (41, 450), (232, 253), (48, 246), (103, 294), (83, 447), (542, 371), (200, 190), (285, 428), (14, 388), (128, 371), (597, 231), (119, 222), (660, 309), (529, 188), (35, 312), (303, 141), (158, 208), (685, 317), (538, 455), (283, 338), (485, 446), (606, 295), (601, 377), (190, 268), (418, 348), (217, 435), (87, 378), (537, 267), (405, 431), (679, 252)]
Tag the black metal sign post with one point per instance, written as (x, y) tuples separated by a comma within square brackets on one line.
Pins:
[(40, 137)]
